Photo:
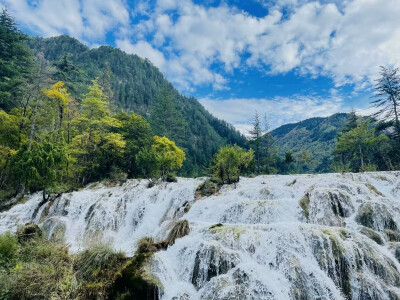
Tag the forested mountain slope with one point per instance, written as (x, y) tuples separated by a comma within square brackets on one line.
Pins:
[(316, 135), (136, 85)]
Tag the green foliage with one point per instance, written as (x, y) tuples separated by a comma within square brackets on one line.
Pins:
[(228, 162), (40, 269), (161, 159), (166, 119), (360, 144), (138, 135), (134, 84), (16, 63), (8, 248), (39, 166)]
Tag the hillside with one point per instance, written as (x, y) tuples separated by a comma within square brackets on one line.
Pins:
[(316, 135), (326, 236), (136, 85)]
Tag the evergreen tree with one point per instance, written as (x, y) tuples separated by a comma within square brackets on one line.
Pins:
[(16, 63), (166, 119), (387, 89), (255, 140), (93, 140), (105, 82), (138, 135), (351, 122), (270, 152), (361, 142)]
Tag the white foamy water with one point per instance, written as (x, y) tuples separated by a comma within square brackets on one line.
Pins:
[(340, 243)]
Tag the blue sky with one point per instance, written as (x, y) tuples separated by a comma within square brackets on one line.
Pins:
[(288, 59)]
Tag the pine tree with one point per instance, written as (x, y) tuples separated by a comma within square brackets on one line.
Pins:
[(360, 142), (166, 119), (16, 63), (351, 122), (255, 139), (387, 89), (270, 152), (105, 82)]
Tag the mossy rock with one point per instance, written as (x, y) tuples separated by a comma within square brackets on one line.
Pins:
[(180, 230), (373, 189), (305, 205), (373, 235), (134, 281), (392, 236), (206, 189), (368, 216), (29, 232)]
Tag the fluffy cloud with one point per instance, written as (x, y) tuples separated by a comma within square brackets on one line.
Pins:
[(197, 44), (143, 49), (88, 20), (279, 110), (345, 40)]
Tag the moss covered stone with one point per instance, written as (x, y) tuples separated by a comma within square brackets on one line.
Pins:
[(305, 205), (373, 235)]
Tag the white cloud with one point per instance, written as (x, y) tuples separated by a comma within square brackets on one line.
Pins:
[(88, 20), (197, 45), (143, 49), (279, 110)]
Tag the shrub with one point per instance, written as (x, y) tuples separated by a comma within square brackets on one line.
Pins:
[(228, 162), (8, 249)]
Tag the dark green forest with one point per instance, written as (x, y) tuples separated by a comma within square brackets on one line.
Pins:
[(134, 84)]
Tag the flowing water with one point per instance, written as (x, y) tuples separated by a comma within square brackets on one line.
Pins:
[(330, 236)]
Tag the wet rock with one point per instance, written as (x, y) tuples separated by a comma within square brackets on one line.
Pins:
[(373, 235), (327, 206), (29, 232), (211, 261), (376, 216), (392, 236), (178, 231)]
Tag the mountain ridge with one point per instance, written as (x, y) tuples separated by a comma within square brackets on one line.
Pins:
[(316, 135), (136, 85)]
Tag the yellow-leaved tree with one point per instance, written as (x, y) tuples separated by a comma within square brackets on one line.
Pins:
[(96, 150), (161, 159)]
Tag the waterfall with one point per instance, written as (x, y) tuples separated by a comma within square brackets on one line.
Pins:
[(327, 236)]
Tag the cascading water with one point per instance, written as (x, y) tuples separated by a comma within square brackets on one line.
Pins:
[(331, 236)]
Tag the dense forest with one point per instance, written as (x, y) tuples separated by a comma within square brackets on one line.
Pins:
[(134, 84), (70, 115)]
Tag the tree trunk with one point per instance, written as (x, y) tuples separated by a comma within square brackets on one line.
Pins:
[(361, 158), (3, 175)]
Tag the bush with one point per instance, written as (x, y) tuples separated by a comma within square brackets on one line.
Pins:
[(228, 162), (370, 168), (37, 272), (8, 249)]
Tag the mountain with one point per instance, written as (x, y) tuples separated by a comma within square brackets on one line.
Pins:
[(324, 236), (137, 85), (316, 135)]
